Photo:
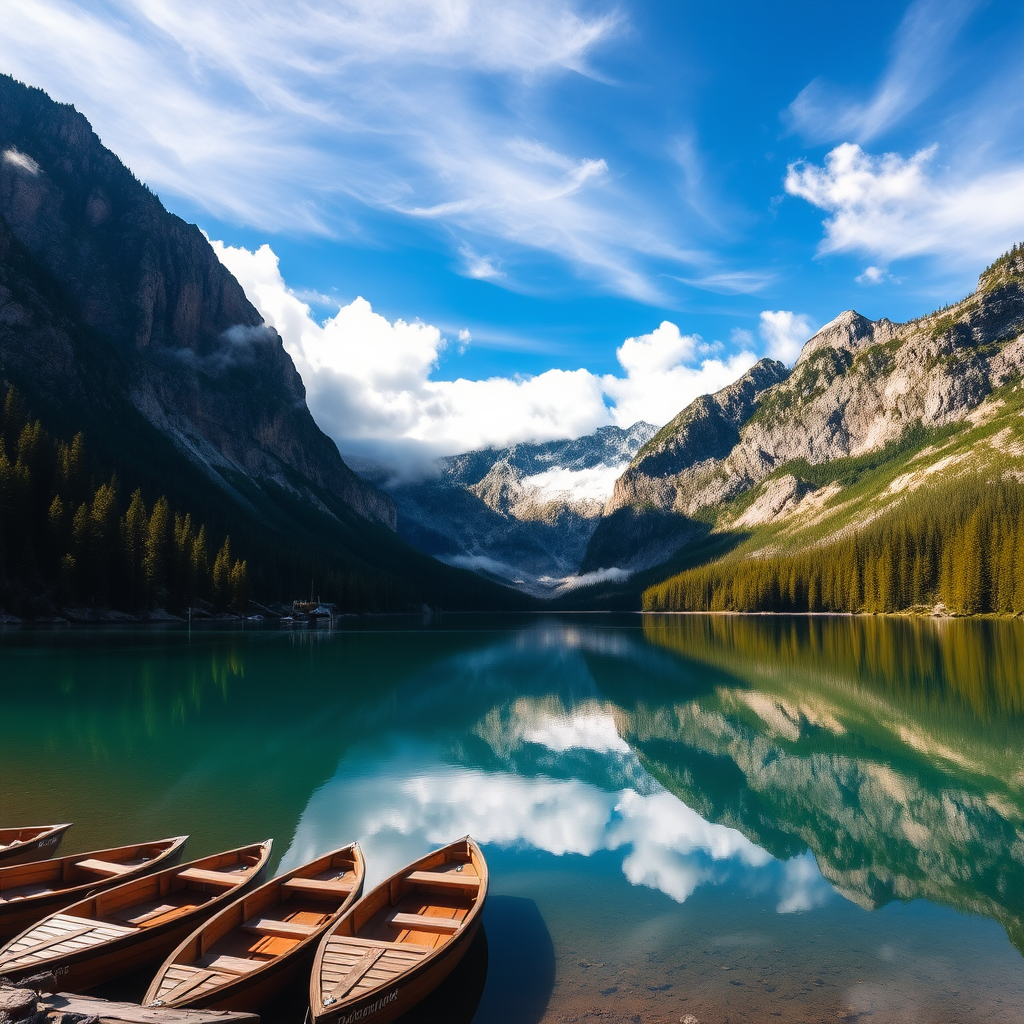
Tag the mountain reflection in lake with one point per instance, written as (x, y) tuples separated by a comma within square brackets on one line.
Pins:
[(720, 816)]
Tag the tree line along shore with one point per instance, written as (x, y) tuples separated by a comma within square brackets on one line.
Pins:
[(959, 546)]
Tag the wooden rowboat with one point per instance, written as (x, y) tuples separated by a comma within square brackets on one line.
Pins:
[(122, 929), (252, 950), (401, 940), (36, 842), (29, 892)]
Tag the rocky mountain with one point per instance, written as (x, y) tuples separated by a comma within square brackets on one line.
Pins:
[(98, 275), (522, 514), (117, 319), (647, 517), (870, 408)]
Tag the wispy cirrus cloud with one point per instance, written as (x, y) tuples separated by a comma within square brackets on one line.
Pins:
[(301, 119), (919, 62)]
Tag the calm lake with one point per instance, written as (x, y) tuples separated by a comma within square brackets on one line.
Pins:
[(739, 819)]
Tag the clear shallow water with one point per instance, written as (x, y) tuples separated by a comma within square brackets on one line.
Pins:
[(742, 819)]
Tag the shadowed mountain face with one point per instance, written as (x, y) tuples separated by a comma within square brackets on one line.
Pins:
[(117, 318)]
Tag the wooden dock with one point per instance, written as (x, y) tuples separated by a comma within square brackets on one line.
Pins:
[(63, 1005)]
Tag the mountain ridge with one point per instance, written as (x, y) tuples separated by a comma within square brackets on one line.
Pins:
[(151, 285), (522, 514), (118, 320)]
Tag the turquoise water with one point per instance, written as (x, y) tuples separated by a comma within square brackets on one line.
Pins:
[(741, 819)]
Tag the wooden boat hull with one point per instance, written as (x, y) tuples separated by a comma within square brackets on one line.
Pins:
[(83, 972), (17, 915), (119, 950), (401, 940), (408, 990), (42, 846), (226, 936)]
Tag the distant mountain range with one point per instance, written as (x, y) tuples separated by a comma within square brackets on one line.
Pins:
[(523, 515), (779, 461)]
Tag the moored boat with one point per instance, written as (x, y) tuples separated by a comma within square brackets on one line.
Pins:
[(32, 891), (33, 842), (401, 940), (129, 926), (253, 949)]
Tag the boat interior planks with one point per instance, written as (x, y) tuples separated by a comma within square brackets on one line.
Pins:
[(122, 928), (31, 891), (31, 842), (402, 939), (250, 951)]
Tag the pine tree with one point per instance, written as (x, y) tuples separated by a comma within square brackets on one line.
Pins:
[(222, 575), (133, 538), (158, 542)]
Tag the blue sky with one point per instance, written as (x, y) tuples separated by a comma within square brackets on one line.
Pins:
[(551, 178)]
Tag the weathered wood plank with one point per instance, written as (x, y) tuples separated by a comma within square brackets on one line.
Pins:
[(359, 968), (224, 878), (446, 880), (131, 1013), (340, 941), (283, 929), (329, 889), (424, 923)]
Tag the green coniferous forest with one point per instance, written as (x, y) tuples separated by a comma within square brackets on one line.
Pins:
[(88, 543), (959, 544)]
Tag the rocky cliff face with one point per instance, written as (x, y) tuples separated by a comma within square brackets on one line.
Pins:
[(107, 300), (523, 514), (646, 519), (858, 386)]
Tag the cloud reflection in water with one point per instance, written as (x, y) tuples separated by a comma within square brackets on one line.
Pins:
[(402, 801)]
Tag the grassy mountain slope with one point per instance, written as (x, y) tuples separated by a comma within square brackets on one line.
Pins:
[(901, 416)]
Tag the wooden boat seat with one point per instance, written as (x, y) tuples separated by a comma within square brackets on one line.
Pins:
[(324, 888), (158, 914), (424, 923), (445, 880), (225, 964), (106, 868), (339, 942), (224, 878), (282, 929)]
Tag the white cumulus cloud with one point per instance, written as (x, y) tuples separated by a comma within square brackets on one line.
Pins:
[(662, 377), (784, 333), (369, 380), (893, 207)]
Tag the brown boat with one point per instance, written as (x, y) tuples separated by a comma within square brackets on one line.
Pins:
[(252, 950), (401, 940), (35, 842), (30, 892), (134, 924)]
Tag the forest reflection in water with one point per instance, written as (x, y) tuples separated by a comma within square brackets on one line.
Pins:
[(750, 770), (891, 747)]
